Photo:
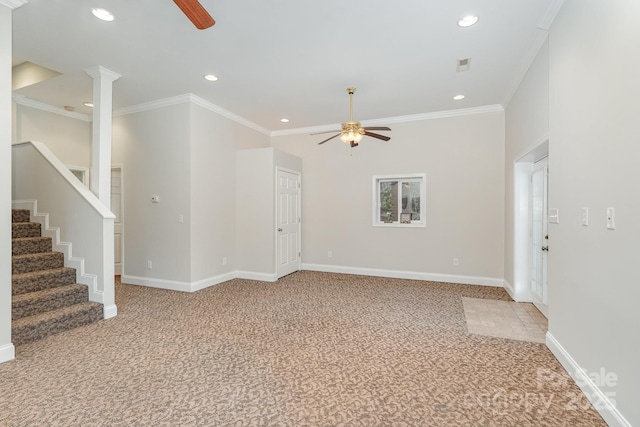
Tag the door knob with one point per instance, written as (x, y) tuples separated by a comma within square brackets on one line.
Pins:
[(279, 229), (545, 248)]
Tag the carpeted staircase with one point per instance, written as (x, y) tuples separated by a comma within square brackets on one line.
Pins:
[(45, 296)]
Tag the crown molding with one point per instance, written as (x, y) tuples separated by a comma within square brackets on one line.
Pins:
[(398, 119), (23, 100), (228, 114), (189, 97), (13, 4)]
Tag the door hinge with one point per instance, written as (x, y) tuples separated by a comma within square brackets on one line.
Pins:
[(299, 254), (299, 185)]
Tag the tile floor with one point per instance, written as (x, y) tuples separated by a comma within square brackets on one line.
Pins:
[(504, 319)]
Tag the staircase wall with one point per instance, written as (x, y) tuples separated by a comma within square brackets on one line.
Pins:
[(38, 175)]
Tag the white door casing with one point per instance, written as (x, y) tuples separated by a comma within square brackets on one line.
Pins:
[(539, 236), (288, 222)]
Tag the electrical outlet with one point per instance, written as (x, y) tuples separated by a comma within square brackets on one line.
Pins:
[(149, 265), (329, 254), (224, 260), (180, 218), (456, 262)]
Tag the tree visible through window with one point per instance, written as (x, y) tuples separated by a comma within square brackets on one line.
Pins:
[(399, 200)]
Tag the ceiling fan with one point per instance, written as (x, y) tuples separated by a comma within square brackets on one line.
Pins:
[(352, 132), (196, 13)]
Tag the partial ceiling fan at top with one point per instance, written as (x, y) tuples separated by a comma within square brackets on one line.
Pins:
[(196, 13), (352, 132)]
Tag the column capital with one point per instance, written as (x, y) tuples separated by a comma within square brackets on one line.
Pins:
[(13, 4), (101, 72)]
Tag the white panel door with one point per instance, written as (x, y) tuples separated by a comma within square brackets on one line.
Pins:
[(116, 208), (287, 222), (540, 238)]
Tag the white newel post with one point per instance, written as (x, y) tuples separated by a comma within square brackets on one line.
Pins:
[(101, 172), (101, 140), (7, 350)]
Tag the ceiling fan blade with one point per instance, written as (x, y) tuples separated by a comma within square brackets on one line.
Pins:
[(354, 144), (320, 133), (196, 13), (376, 128), (375, 135), (328, 139)]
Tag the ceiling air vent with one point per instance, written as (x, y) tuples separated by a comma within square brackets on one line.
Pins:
[(463, 64)]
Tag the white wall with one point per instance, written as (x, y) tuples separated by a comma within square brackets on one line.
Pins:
[(6, 348), (68, 138), (595, 150), (255, 195), (255, 209), (213, 190), (154, 149), (185, 154), (526, 126), (463, 158)]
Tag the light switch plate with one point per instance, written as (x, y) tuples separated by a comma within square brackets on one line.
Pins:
[(585, 216), (611, 219), (552, 216)]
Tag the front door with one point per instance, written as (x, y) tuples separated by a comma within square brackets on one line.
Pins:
[(540, 237), (287, 222)]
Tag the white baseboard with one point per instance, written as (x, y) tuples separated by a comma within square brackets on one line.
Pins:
[(414, 275), (110, 311), (212, 281), (512, 292), (598, 399), (251, 275), (7, 352), (174, 285)]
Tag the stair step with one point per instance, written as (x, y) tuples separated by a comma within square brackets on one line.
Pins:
[(20, 215), (44, 279), (25, 229), (34, 262), (33, 328), (30, 245), (33, 303)]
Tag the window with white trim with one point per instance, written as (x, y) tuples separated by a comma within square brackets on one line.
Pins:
[(399, 200)]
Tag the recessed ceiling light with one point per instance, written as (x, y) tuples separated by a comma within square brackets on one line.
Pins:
[(69, 108), (467, 21), (458, 97), (211, 77), (88, 104), (103, 14), (284, 120)]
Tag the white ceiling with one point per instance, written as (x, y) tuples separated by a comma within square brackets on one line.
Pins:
[(287, 58)]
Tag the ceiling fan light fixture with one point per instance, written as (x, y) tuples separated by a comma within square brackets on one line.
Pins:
[(467, 21), (103, 14), (351, 136)]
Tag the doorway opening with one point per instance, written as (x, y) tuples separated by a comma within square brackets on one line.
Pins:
[(530, 221)]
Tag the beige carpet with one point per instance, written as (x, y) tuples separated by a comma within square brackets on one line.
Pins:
[(314, 349)]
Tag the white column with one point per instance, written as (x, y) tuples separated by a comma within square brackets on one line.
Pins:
[(7, 351), (101, 140)]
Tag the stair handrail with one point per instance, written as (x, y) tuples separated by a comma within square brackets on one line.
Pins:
[(79, 216)]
